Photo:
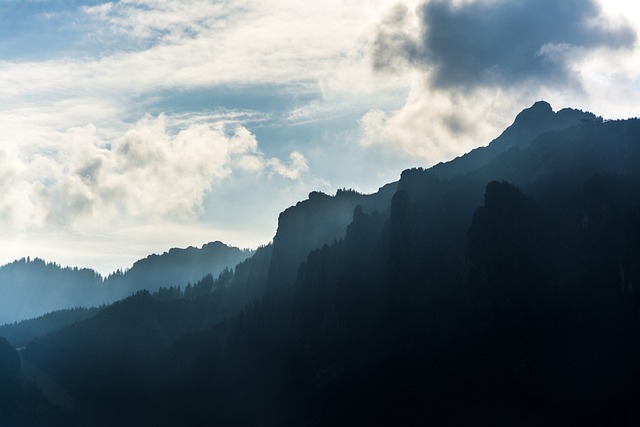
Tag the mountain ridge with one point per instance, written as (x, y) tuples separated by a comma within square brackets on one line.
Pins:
[(528, 124), (31, 287)]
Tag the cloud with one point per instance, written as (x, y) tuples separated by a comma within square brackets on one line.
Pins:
[(152, 21), (294, 169), (160, 169), (15, 206), (434, 126), (135, 52), (395, 41), (499, 42), (472, 65)]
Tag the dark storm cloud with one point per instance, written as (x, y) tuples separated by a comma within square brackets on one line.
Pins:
[(498, 42)]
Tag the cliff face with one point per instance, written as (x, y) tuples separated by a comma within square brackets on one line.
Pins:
[(315, 222)]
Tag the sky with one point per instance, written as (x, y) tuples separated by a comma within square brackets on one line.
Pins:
[(130, 127)]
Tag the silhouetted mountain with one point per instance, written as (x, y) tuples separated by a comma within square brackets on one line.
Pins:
[(33, 287), (528, 125), (317, 221), (177, 267), (505, 293)]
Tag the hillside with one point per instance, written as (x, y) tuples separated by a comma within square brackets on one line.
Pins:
[(33, 287), (176, 267)]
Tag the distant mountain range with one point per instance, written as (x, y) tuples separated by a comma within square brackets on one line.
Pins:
[(500, 288), (33, 287)]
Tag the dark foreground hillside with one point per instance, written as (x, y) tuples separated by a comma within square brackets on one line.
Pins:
[(497, 291)]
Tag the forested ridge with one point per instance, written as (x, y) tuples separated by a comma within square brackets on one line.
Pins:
[(33, 287), (500, 288)]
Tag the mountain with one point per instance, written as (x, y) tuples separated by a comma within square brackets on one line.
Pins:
[(21, 402), (502, 292), (33, 287), (177, 267), (317, 221), (528, 125), (19, 334)]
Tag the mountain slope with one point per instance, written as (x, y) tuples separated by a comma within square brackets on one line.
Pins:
[(19, 334), (32, 287), (177, 267)]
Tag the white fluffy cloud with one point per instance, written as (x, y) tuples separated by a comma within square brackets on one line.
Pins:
[(296, 166), (154, 171)]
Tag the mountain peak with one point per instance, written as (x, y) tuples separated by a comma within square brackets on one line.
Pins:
[(528, 124), (541, 105), (539, 113)]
